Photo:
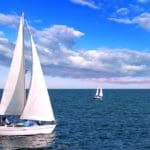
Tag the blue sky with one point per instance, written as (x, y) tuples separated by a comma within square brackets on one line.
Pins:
[(83, 43)]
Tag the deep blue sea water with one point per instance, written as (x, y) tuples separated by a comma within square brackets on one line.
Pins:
[(121, 121)]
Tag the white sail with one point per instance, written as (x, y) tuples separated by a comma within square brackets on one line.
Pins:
[(38, 106), (97, 92), (101, 92), (13, 97)]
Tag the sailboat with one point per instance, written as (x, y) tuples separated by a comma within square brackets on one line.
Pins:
[(37, 106), (99, 93)]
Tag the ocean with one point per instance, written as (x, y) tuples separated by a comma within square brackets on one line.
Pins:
[(120, 121)]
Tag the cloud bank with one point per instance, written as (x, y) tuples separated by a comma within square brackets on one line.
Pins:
[(55, 46)]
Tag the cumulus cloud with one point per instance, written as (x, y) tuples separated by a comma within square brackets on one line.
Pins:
[(143, 20), (52, 35), (88, 3), (55, 47), (7, 19), (117, 62)]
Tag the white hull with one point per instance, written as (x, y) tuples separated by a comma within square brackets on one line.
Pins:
[(98, 97), (32, 130)]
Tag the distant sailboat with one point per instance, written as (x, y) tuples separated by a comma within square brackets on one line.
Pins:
[(99, 93), (38, 106)]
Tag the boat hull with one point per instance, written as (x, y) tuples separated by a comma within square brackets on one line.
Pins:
[(32, 130), (97, 97)]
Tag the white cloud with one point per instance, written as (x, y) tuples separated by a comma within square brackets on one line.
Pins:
[(143, 20), (123, 11), (121, 20), (6, 48), (143, 1), (88, 3), (79, 61), (131, 69), (52, 35), (99, 63), (55, 48), (7, 19), (117, 62), (123, 80)]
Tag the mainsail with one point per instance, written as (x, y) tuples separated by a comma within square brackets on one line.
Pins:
[(38, 106), (101, 92), (13, 98)]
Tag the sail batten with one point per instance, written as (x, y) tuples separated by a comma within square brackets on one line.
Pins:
[(14, 91)]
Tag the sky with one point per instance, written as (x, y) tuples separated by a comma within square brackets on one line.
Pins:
[(82, 43)]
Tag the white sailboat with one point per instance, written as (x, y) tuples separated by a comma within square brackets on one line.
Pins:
[(99, 93), (38, 106)]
